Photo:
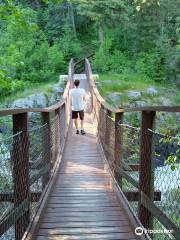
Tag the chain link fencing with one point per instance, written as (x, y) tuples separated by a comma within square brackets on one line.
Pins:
[(27, 160)]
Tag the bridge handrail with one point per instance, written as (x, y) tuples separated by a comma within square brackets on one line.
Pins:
[(34, 156), (110, 131)]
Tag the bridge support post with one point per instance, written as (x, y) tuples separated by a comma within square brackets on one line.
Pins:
[(47, 156), (108, 127), (57, 133), (118, 145), (20, 159), (146, 174), (108, 135)]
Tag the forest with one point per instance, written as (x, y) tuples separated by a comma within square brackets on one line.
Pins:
[(136, 38)]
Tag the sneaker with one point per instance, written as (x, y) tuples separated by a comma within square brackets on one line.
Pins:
[(77, 131), (83, 132)]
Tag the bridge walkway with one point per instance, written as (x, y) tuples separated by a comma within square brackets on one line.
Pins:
[(83, 204)]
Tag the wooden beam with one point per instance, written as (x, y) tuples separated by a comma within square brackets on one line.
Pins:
[(160, 216), (9, 197), (146, 174), (57, 133), (47, 156), (118, 143), (133, 196), (134, 167), (13, 217), (20, 159)]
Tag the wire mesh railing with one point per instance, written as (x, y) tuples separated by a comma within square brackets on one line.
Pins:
[(145, 164), (167, 178), (27, 160), (28, 163), (164, 172)]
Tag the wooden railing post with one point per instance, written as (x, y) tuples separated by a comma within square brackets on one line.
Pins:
[(108, 128), (57, 141), (146, 177), (21, 172), (118, 144), (47, 156)]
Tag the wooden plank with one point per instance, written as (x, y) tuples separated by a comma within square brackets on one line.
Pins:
[(82, 209), (107, 236), (80, 230), (83, 205), (87, 195), (80, 200), (85, 224), (83, 214), (84, 218)]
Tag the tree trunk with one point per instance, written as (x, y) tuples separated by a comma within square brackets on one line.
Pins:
[(72, 20), (101, 33)]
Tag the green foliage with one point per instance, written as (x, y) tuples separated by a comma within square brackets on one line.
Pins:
[(138, 39), (26, 55), (172, 159)]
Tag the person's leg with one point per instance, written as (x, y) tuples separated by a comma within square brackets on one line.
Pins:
[(76, 123), (82, 124), (81, 115), (75, 117)]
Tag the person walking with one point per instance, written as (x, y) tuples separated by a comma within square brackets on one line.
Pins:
[(77, 95)]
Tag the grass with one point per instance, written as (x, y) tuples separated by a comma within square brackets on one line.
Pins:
[(31, 88), (123, 82)]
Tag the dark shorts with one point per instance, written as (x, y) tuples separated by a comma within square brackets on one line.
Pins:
[(76, 113)]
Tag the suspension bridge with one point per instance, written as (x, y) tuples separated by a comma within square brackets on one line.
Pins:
[(59, 185)]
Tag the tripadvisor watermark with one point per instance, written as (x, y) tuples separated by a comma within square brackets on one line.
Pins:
[(140, 231)]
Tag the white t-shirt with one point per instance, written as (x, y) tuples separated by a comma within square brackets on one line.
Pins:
[(77, 98)]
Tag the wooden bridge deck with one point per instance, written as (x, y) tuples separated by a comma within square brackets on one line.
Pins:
[(83, 204)]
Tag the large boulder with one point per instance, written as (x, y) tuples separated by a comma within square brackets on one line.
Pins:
[(23, 103), (165, 101), (57, 89), (134, 94), (152, 91), (114, 97), (140, 103), (32, 101)]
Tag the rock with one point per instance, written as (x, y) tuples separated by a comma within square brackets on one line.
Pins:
[(4, 127), (152, 91), (57, 89), (140, 104), (63, 78), (134, 94), (22, 103), (114, 97), (39, 99), (165, 101), (34, 100)]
